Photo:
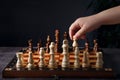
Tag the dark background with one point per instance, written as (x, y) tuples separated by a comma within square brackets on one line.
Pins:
[(21, 20)]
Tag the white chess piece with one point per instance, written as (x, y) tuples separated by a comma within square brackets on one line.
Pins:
[(52, 63), (41, 56), (85, 60), (77, 60), (65, 45), (99, 62), (30, 61), (75, 44), (65, 60), (19, 60)]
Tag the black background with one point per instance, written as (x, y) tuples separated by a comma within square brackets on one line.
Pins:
[(21, 20), (35, 19)]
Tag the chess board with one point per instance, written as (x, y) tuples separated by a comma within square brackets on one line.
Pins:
[(11, 71), (70, 71)]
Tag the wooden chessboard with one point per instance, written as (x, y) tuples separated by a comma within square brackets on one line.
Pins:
[(11, 71)]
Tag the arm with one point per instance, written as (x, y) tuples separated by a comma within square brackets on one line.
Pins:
[(87, 24)]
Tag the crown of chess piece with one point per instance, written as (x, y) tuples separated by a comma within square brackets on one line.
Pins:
[(19, 60)]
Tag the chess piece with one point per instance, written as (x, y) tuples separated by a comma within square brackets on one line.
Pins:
[(48, 43), (77, 60), (30, 65), (86, 47), (30, 47), (99, 62), (65, 60), (19, 60), (65, 45), (38, 46), (52, 63), (95, 48), (65, 35), (85, 60), (56, 40), (75, 44), (41, 56)]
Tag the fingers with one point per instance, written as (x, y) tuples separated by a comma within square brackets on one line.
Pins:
[(81, 33), (73, 29)]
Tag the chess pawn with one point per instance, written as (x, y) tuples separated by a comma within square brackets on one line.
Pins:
[(75, 44), (52, 63), (19, 60), (85, 60), (41, 53), (77, 60), (30, 61), (99, 62)]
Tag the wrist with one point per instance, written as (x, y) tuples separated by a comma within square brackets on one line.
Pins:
[(98, 19)]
